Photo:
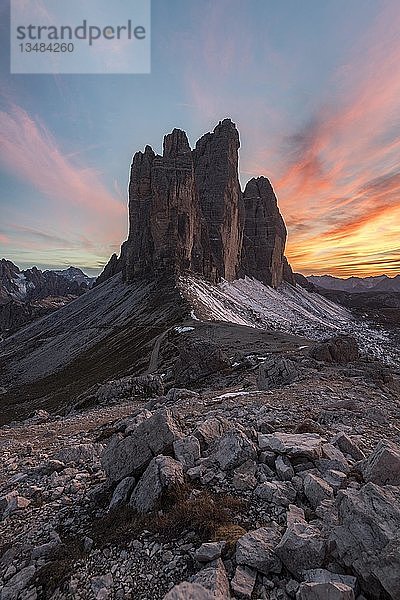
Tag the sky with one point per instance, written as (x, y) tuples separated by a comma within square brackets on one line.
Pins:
[(313, 86)]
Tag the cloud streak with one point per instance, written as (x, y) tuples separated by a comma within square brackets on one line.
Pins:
[(30, 151), (74, 199)]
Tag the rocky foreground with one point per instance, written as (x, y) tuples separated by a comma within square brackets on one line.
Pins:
[(282, 485)]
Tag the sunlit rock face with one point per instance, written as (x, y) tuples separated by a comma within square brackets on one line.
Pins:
[(187, 213)]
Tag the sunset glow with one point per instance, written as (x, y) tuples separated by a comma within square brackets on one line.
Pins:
[(318, 110)]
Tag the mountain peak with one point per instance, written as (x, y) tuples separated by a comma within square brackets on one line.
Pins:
[(175, 144), (187, 213)]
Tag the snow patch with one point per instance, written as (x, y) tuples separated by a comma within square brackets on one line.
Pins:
[(289, 309), (183, 329)]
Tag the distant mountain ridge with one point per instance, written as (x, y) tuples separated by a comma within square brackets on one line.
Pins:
[(379, 283), (31, 293)]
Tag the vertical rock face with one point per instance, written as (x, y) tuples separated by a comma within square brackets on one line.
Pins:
[(187, 213), (264, 236), (220, 195)]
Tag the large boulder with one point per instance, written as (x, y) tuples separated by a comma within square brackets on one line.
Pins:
[(294, 445), (233, 449), (162, 474), (325, 591), (367, 538), (130, 455), (276, 372), (340, 349), (302, 547), (189, 591), (142, 386), (199, 358), (213, 578), (383, 465), (256, 549)]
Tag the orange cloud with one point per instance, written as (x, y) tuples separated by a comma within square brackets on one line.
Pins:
[(343, 182)]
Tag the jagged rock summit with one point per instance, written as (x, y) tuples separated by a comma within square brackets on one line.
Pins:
[(187, 213)]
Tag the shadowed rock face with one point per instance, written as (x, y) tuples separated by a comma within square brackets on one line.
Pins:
[(187, 213), (265, 234)]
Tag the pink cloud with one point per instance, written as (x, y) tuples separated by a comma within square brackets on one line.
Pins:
[(31, 152)]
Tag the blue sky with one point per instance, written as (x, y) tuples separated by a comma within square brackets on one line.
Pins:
[(303, 80)]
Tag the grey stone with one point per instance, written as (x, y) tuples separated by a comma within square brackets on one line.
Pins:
[(302, 547), (44, 549), (340, 349), (307, 445), (324, 591), (189, 591), (122, 493), (244, 476), (336, 458), (335, 479), (213, 577), (199, 358), (208, 552), (367, 537), (295, 514), (284, 468), (316, 490), (211, 429), (132, 454), (187, 451), (348, 446), (324, 576), (131, 386), (281, 493), (383, 465), (81, 453), (243, 582), (276, 372), (17, 583), (256, 549), (162, 474), (233, 449)]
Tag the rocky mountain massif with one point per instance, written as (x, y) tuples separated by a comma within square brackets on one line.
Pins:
[(187, 212), (32, 293), (379, 283), (375, 297), (184, 431)]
